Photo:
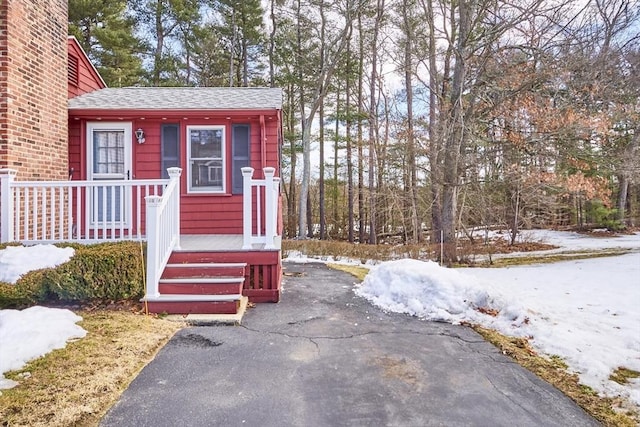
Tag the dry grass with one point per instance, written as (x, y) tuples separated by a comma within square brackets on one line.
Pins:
[(609, 411), (357, 271), (340, 250), (551, 258), (471, 254), (622, 375), (554, 371), (76, 385)]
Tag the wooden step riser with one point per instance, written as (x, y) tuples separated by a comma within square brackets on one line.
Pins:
[(259, 257), (194, 307), (200, 288), (182, 272)]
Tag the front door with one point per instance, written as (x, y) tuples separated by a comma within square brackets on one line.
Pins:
[(109, 158)]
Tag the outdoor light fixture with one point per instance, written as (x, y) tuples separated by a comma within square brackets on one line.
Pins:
[(140, 136)]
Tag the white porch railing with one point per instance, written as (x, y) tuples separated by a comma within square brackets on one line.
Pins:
[(92, 211), (163, 230), (79, 211), (260, 208)]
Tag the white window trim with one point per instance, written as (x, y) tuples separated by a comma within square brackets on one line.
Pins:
[(196, 190)]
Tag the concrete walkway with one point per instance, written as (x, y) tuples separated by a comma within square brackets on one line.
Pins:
[(324, 357)]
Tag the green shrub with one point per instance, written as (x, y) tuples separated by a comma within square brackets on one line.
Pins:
[(9, 297), (106, 271), (603, 216), (28, 290), (101, 272)]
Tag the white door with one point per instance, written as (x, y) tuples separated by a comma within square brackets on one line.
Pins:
[(109, 158)]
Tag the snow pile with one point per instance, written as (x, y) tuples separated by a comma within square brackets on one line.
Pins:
[(31, 333), (431, 292), (18, 260)]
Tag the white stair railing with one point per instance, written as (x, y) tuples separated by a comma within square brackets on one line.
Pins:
[(79, 211), (163, 230), (260, 225)]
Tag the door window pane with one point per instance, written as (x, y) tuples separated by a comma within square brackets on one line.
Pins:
[(108, 151)]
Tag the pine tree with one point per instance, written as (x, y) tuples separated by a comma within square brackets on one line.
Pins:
[(105, 32)]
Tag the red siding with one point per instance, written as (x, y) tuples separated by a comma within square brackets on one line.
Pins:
[(83, 77), (200, 213)]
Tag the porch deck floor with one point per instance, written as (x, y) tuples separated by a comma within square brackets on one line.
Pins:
[(219, 242)]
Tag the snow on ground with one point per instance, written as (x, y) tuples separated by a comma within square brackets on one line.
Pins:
[(18, 260), (31, 333), (585, 311), (568, 240)]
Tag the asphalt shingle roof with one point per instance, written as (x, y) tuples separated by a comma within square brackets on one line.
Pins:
[(179, 98)]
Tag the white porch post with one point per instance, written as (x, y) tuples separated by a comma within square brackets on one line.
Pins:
[(247, 176), (153, 245), (269, 226), (7, 176), (174, 174)]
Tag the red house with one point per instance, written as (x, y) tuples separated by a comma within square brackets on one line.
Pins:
[(190, 170)]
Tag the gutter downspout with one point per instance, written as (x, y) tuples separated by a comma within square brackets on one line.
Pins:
[(263, 144)]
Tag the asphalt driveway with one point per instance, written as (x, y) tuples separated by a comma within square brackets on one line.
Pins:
[(324, 357)]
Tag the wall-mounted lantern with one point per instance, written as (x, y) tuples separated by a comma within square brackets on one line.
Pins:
[(140, 136)]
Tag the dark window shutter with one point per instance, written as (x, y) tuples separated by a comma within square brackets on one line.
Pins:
[(170, 140), (241, 155)]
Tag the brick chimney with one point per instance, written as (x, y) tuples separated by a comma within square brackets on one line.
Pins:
[(33, 88)]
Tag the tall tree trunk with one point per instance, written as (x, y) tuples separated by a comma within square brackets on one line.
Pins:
[(454, 137), (306, 163), (361, 212), (291, 205), (434, 137), (412, 179), (347, 106), (245, 64), (309, 218), (373, 125), (157, 53), (272, 43), (234, 29), (336, 146), (321, 195), (623, 191)]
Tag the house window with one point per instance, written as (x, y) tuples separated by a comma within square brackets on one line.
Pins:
[(205, 153), (170, 148), (241, 155)]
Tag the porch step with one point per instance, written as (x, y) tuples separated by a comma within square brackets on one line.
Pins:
[(194, 304), (201, 285), (203, 269)]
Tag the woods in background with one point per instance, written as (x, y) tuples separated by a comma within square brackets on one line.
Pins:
[(412, 120)]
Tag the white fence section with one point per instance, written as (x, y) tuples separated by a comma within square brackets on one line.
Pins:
[(80, 211), (100, 210), (163, 230), (260, 208)]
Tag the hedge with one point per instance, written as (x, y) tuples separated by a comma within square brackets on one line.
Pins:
[(101, 272)]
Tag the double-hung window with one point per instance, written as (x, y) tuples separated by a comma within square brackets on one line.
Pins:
[(206, 159)]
